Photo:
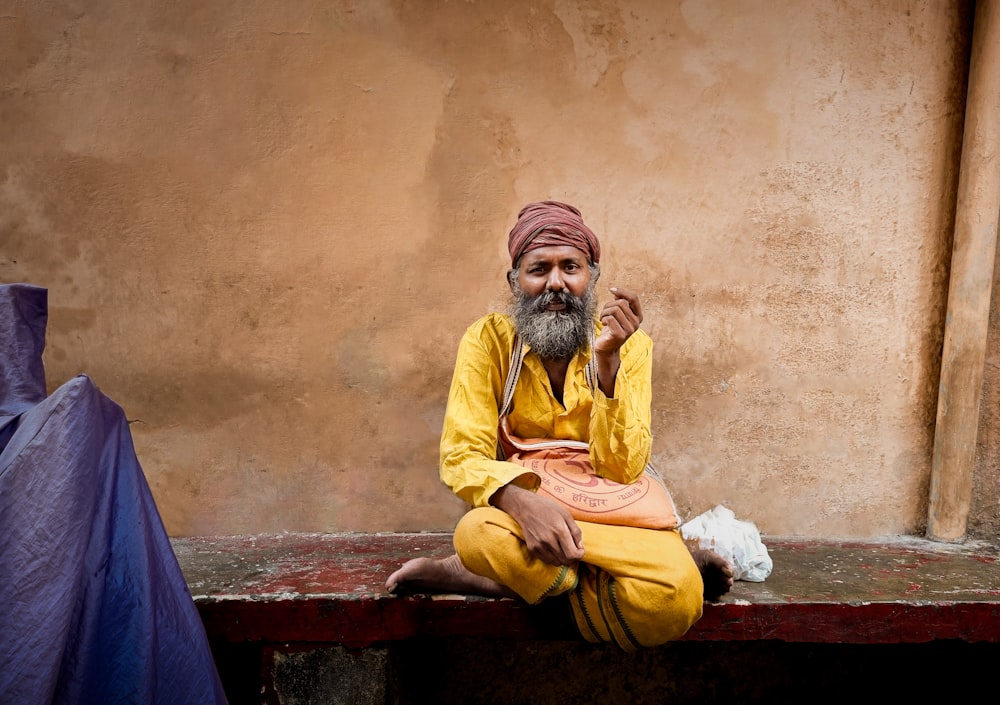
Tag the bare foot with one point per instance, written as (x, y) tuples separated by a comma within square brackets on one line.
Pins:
[(442, 575), (716, 572)]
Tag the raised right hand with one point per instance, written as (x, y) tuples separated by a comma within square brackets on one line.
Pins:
[(550, 532)]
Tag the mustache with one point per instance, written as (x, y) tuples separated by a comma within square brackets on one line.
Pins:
[(572, 303)]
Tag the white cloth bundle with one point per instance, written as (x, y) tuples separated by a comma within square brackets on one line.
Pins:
[(737, 541)]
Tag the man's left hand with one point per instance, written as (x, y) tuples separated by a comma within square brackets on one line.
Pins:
[(621, 318)]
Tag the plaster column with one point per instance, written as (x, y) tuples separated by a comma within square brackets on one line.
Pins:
[(974, 249)]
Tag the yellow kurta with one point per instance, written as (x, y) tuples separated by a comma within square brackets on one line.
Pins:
[(617, 429), (634, 587)]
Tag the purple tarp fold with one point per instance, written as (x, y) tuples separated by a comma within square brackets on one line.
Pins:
[(93, 605)]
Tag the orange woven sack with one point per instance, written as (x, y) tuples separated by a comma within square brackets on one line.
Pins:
[(568, 477)]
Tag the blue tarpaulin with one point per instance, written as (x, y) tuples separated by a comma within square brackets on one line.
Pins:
[(93, 605)]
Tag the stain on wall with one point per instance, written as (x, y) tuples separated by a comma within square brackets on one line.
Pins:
[(264, 228)]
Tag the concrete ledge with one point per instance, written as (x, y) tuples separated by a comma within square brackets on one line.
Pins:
[(313, 589)]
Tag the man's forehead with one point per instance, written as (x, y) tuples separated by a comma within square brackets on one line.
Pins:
[(553, 253)]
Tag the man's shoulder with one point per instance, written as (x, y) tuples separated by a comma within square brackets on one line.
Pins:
[(494, 330), (492, 324)]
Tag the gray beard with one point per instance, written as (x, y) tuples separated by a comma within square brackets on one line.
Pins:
[(554, 335)]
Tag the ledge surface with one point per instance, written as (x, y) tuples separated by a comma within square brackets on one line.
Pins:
[(329, 588)]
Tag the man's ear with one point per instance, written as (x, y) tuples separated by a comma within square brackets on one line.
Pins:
[(512, 280)]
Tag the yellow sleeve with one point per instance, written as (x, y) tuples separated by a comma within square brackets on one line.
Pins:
[(469, 437), (620, 438)]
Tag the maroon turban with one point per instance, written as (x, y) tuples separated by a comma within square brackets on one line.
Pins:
[(551, 223)]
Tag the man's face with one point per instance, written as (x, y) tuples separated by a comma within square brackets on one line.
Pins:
[(553, 268), (553, 303)]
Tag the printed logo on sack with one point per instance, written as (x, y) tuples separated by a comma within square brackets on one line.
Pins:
[(570, 482)]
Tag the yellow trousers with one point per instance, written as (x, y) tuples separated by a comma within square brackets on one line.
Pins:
[(634, 587)]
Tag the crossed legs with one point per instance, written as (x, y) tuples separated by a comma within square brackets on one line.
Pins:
[(649, 577)]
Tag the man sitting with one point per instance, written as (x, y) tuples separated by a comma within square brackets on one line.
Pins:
[(625, 585)]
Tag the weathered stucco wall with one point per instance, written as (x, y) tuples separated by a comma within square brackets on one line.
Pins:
[(264, 227)]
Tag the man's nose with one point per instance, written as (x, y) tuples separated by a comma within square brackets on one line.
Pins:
[(555, 282)]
